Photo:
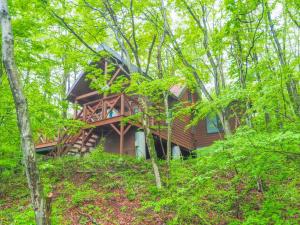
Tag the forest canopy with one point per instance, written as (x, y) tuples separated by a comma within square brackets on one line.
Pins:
[(240, 58)]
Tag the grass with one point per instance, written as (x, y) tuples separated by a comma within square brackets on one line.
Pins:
[(110, 189)]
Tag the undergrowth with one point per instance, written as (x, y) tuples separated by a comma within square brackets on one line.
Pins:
[(223, 185)]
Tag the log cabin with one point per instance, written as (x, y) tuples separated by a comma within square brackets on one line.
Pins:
[(104, 115)]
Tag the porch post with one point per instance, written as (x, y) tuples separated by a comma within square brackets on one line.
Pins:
[(121, 138), (84, 112), (122, 104), (75, 110), (104, 108), (176, 153)]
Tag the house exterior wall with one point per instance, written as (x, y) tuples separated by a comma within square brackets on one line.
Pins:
[(191, 138), (196, 136), (112, 142), (202, 138)]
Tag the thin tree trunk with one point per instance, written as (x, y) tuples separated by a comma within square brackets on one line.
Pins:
[(114, 24), (201, 86), (65, 104), (28, 148), (291, 84), (165, 93), (169, 128), (225, 122), (150, 141)]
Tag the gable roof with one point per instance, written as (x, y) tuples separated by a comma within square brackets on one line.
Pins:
[(177, 90), (81, 85)]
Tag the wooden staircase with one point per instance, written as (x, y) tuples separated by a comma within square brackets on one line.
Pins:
[(84, 144), (80, 143), (100, 112)]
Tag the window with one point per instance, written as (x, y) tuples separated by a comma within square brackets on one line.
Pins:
[(213, 124), (112, 113), (190, 97), (136, 109)]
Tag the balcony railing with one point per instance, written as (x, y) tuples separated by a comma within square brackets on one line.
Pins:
[(104, 109), (107, 107)]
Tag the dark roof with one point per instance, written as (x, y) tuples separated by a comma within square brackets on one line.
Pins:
[(81, 85), (104, 48)]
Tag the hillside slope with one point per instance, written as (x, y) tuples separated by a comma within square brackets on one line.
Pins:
[(216, 188)]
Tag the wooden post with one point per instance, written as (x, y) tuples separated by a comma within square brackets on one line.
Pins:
[(104, 109), (84, 112), (75, 111), (122, 105), (121, 138), (82, 142)]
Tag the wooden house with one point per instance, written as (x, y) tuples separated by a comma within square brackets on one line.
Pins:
[(104, 114)]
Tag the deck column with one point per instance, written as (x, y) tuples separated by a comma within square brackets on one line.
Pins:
[(75, 110), (122, 104), (104, 109), (140, 145), (176, 153), (84, 112), (121, 138)]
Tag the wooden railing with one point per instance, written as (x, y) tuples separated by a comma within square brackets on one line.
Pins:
[(93, 111), (107, 107)]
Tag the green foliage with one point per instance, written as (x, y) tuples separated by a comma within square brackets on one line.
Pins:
[(83, 195), (220, 185), (252, 177)]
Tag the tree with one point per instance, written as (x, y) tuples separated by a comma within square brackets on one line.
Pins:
[(28, 148), (132, 47), (212, 61)]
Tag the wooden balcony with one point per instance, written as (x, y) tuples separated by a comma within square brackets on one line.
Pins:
[(103, 111), (107, 109)]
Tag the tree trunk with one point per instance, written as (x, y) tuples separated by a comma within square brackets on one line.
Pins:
[(169, 128), (225, 123), (65, 104), (291, 84), (28, 148), (165, 93), (150, 141)]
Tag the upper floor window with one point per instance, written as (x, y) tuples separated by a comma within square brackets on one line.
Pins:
[(213, 124), (136, 109), (190, 97)]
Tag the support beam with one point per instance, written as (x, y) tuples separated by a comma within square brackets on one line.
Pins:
[(88, 135), (46, 145), (84, 112), (104, 109), (121, 139), (75, 110), (114, 76), (122, 104), (86, 95), (106, 121), (127, 129), (116, 129)]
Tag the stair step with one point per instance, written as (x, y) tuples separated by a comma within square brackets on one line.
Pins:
[(77, 144), (94, 138), (90, 143)]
